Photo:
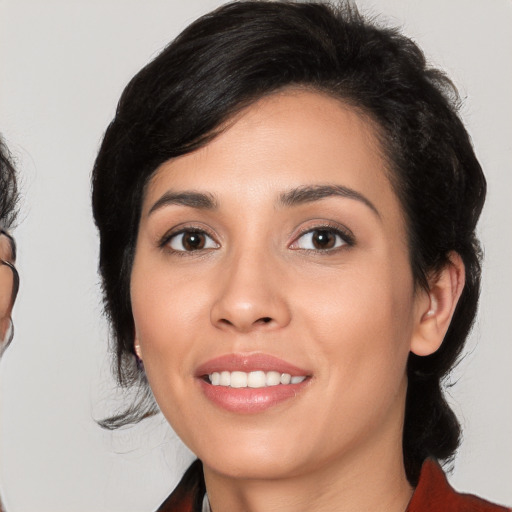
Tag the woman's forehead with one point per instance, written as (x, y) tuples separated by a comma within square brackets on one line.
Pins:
[(289, 139)]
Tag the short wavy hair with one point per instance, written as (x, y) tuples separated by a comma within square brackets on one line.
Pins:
[(245, 50)]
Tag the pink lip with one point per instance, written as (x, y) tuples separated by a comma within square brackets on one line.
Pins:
[(248, 363), (249, 400)]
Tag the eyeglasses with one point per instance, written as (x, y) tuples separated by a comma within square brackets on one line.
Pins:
[(8, 290)]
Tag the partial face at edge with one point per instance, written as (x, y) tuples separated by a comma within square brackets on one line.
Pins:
[(281, 243), (7, 287)]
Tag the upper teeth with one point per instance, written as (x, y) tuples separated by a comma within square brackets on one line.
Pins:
[(258, 379)]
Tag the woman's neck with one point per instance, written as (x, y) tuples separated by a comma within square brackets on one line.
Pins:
[(374, 480)]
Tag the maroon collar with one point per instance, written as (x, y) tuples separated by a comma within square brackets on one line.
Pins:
[(434, 494)]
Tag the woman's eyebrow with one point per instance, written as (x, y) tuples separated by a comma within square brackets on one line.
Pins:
[(311, 193), (200, 200)]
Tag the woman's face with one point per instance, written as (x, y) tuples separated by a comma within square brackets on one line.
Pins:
[(276, 257)]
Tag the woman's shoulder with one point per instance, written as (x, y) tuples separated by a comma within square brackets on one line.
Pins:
[(434, 493)]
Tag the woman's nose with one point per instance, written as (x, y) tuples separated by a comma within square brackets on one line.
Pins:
[(250, 296)]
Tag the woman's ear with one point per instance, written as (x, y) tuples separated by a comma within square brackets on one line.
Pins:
[(437, 305)]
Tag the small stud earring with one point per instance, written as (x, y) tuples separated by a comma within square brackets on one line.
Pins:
[(138, 359)]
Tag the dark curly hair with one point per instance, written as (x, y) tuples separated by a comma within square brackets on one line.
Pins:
[(8, 188), (245, 50)]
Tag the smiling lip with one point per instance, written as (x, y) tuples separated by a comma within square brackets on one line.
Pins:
[(249, 400)]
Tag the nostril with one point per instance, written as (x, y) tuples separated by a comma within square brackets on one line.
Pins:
[(244, 324)]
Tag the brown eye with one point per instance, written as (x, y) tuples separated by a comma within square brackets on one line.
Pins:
[(320, 240), (323, 239), (192, 241)]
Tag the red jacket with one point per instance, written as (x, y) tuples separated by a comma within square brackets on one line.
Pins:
[(433, 494)]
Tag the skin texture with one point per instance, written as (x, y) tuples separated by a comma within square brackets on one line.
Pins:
[(349, 315)]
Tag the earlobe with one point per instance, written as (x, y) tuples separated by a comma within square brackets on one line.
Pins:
[(436, 307)]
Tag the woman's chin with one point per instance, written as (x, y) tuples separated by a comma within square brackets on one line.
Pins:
[(251, 468), (259, 457)]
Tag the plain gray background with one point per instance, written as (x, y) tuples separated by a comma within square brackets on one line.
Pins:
[(63, 65)]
